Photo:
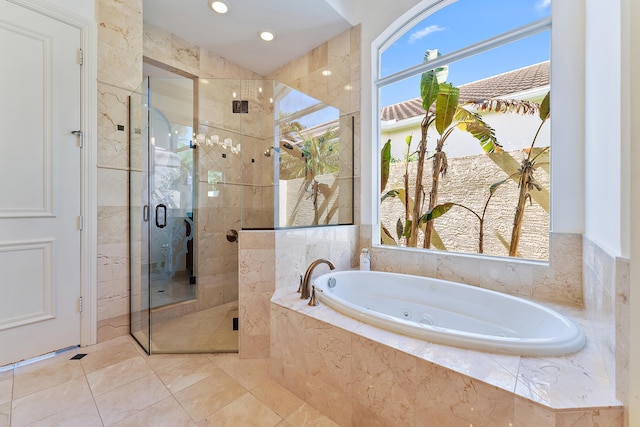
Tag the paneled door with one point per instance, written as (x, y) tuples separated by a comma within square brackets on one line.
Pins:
[(40, 153)]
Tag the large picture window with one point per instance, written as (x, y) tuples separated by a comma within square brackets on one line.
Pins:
[(464, 134)]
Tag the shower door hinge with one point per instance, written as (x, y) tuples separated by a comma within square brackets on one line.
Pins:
[(80, 57), (80, 135), (80, 304), (80, 222)]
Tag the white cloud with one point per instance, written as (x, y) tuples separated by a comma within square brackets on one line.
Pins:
[(543, 4), (424, 32)]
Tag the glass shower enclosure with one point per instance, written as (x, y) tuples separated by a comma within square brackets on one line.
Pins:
[(208, 158), (161, 193)]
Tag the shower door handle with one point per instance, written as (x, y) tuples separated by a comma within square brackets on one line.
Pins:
[(162, 224)]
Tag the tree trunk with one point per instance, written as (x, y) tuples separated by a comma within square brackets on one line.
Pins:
[(519, 216), (412, 240), (438, 159)]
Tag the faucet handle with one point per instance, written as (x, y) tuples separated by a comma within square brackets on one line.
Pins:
[(300, 285), (314, 301)]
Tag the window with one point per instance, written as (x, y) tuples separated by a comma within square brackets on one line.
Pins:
[(464, 92)]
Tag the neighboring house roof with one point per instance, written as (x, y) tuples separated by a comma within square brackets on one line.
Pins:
[(519, 80)]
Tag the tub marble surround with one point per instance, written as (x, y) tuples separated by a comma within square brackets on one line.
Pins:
[(360, 375), (558, 281), (606, 298), (269, 259)]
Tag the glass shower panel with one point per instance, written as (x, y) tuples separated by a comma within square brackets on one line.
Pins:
[(171, 179), (315, 150), (139, 215)]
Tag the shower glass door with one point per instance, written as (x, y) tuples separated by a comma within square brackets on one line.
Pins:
[(140, 313), (161, 210)]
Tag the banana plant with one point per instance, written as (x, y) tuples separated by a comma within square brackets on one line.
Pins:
[(525, 174), (449, 116), (443, 208), (385, 164)]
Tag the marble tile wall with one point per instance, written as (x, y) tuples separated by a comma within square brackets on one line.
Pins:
[(119, 73), (558, 281), (606, 294), (273, 259)]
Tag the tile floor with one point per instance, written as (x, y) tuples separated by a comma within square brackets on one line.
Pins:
[(117, 384)]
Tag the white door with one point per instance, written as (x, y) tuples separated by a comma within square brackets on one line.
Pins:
[(39, 184)]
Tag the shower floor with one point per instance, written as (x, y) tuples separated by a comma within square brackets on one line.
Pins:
[(171, 291), (206, 331)]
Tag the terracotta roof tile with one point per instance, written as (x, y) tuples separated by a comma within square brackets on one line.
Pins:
[(492, 87)]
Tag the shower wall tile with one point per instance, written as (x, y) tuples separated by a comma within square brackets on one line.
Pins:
[(120, 42), (157, 43), (113, 225), (113, 327), (113, 144), (120, 46), (186, 55), (211, 65), (114, 186)]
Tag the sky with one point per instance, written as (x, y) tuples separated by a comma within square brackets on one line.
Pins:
[(461, 24)]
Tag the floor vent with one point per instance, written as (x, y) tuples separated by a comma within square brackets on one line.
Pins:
[(78, 356)]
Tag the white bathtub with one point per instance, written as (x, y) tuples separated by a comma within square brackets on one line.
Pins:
[(449, 313)]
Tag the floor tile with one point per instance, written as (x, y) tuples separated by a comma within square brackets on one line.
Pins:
[(6, 390), (278, 398), (118, 384), (307, 416), (44, 403), (5, 414), (116, 375), (126, 400), (247, 411), (166, 413), (47, 373), (209, 395), (109, 355), (82, 415), (188, 372), (248, 372)]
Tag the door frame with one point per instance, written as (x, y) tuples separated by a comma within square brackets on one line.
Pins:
[(88, 162)]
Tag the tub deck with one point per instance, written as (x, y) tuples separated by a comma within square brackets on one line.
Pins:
[(362, 373)]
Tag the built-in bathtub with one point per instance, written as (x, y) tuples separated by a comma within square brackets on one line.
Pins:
[(450, 313)]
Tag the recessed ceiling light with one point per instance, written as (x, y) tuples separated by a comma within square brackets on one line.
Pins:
[(326, 72), (218, 6), (266, 35)]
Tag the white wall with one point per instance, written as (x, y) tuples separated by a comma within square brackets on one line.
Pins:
[(603, 124), (630, 13)]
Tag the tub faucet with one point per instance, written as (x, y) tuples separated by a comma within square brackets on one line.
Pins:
[(305, 288)]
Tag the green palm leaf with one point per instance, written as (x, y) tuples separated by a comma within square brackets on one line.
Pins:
[(446, 106), (473, 123)]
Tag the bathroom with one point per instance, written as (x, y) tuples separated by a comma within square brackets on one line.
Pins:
[(590, 258)]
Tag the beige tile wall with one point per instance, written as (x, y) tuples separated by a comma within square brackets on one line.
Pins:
[(270, 260), (119, 73)]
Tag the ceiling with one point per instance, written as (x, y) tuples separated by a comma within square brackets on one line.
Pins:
[(299, 26)]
